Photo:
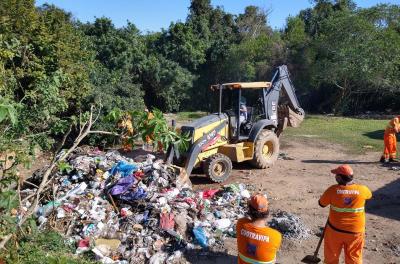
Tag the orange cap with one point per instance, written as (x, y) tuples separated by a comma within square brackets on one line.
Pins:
[(343, 170), (259, 202)]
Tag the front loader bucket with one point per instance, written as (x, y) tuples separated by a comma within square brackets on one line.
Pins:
[(294, 118), (182, 180)]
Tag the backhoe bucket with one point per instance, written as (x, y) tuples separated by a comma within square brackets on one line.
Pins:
[(294, 118), (182, 180)]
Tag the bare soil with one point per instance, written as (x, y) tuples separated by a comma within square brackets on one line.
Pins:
[(296, 185)]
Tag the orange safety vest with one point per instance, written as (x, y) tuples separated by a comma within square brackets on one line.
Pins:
[(256, 245), (347, 203)]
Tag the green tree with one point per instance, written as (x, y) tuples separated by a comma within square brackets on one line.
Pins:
[(115, 77), (166, 84), (300, 55), (181, 44), (253, 22), (44, 64)]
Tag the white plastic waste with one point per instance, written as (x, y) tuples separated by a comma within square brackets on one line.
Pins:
[(223, 223), (245, 194), (75, 191)]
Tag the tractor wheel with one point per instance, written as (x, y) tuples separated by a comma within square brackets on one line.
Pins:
[(266, 149), (218, 167)]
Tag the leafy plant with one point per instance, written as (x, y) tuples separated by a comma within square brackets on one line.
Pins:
[(7, 111), (65, 167), (8, 200), (154, 126), (46, 247)]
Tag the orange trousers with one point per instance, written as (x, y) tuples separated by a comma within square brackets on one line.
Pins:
[(390, 141), (334, 241)]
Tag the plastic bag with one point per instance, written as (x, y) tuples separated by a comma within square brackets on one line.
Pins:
[(209, 194), (200, 236), (123, 185), (137, 194), (167, 221), (124, 168)]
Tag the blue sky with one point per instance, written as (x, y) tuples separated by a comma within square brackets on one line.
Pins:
[(152, 15)]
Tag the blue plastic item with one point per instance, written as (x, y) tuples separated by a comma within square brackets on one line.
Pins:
[(124, 168), (200, 236)]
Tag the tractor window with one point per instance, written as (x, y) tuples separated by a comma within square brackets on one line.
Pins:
[(229, 100), (254, 102)]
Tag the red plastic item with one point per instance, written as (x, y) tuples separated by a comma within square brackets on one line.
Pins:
[(209, 194), (84, 243), (138, 175), (167, 221)]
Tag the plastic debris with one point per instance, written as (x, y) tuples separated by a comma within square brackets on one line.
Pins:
[(289, 225), (200, 236), (112, 244), (167, 221), (137, 212), (222, 223), (123, 168), (209, 194)]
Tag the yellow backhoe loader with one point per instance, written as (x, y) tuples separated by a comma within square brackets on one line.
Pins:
[(239, 132)]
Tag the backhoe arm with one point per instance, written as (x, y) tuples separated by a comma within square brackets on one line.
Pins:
[(293, 112)]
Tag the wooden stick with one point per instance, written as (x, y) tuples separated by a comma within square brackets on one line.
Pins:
[(113, 203)]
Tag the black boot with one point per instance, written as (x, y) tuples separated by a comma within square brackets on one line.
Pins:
[(382, 160), (392, 160)]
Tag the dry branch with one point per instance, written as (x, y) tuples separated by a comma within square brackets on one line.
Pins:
[(84, 130), (4, 241)]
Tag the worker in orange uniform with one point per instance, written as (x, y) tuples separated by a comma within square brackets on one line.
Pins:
[(390, 140), (346, 223), (127, 132), (257, 243), (148, 138)]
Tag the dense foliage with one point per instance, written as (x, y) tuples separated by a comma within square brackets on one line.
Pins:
[(340, 57)]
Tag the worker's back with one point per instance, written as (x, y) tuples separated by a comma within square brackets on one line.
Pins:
[(346, 206), (256, 244)]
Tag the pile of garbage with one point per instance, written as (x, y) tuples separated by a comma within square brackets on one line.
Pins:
[(289, 225), (136, 211)]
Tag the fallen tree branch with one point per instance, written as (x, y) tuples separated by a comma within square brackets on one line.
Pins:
[(85, 129), (338, 86), (104, 132), (4, 241), (62, 141), (29, 183)]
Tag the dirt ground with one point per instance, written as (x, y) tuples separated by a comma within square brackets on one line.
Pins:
[(296, 185)]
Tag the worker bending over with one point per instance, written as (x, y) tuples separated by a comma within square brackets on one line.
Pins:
[(346, 223), (257, 243), (390, 140)]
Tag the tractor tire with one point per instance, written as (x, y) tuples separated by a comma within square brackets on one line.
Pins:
[(218, 167), (266, 149)]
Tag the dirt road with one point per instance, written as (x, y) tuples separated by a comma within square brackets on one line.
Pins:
[(296, 185)]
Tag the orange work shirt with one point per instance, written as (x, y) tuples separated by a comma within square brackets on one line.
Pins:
[(393, 125), (256, 244), (347, 203)]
